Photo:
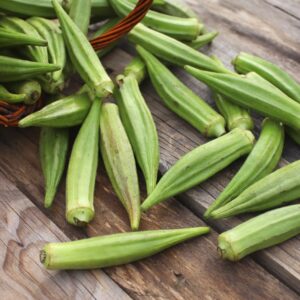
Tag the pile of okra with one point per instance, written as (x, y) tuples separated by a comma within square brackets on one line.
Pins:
[(44, 43)]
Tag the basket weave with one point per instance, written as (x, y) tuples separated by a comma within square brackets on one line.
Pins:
[(11, 114)]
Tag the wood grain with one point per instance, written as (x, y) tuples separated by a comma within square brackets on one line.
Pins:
[(24, 229)]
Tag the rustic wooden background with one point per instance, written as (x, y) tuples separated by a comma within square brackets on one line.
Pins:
[(269, 28)]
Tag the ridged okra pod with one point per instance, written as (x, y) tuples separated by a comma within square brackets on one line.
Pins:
[(119, 162), (31, 89), (246, 63), (276, 189), (81, 175), (14, 69), (203, 39), (66, 112), (172, 50), (200, 164), (54, 143), (83, 56), (80, 13), (35, 53), (51, 32), (235, 116), (180, 99), (113, 250), (261, 161), (266, 230), (140, 128), (9, 38), (179, 28), (176, 8), (253, 92)]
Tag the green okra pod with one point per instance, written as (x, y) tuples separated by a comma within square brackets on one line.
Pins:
[(50, 31), (177, 8), (261, 161), (54, 143), (80, 13), (81, 175), (9, 97), (115, 249), (180, 99), (235, 116), (253, 92), (9, 38), (266, 230), (67, 112), (171, 50), (246, 63), (200, 164), (14, 69), (179, 28), (203, 39), (140, 129), (136, 68), (83, 56), (35, 53), (119, 162), (274, 190), (30, 88)]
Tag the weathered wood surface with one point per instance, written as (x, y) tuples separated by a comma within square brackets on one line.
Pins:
[(268, 28)]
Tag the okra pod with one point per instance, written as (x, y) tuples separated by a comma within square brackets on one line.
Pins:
[(271, 191), (171, 50), (30, 88), (51, 32), (80, 13), (179, 28), (35, 53), (83, 56), (9, 38), (81, 175), (9, 97), (253, 92), (14, 69), (203, 39), (54, 143), (261, 161), (235, 116), (266, 230), (140, 129), (136, 68), (119, 162), (200, 164), (177, 8), (180, 99), (67, 112), (115, 249), (246, 63)]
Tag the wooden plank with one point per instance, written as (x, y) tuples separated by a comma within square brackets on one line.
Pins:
[(23, 231), (184, 272)]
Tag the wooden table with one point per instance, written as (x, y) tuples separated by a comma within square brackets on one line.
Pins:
[(269, 28)]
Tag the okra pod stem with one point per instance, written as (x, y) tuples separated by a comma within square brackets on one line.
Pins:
[(83, 56), (261, 161), (266, 230), (200, 164), (179, 28), (253, 92), (66, 112), (119, 162), (175, 94), (114, 250), (271, 191), (140, 128), (10, 97), (171, 50), (54, 144), (81, 175)]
